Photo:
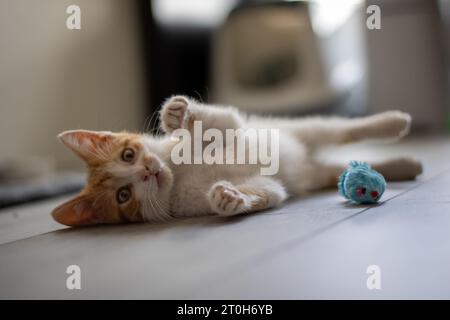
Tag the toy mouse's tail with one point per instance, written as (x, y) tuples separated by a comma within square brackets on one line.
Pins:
[(359, 164)]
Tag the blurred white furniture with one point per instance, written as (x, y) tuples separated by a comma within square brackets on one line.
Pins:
[(266, 58)]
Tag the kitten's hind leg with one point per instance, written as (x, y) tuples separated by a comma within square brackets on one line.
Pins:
[(255, 194), (399, 169), (386, 125), (316, 132), (396, 169)]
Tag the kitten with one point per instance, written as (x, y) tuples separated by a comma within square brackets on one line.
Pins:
[(131, 177)]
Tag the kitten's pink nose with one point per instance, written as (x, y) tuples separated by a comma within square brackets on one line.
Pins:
[(148, 173)]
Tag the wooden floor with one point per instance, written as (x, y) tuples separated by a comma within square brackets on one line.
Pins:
[(315, 247)]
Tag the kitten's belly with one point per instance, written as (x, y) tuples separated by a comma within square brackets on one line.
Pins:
[(193, 182), (189, 196)]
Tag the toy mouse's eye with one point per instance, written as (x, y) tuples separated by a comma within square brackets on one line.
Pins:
[(361, 191), (374, 194)]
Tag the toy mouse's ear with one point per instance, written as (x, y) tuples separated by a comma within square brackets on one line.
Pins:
[(76, 212), (87, 144)]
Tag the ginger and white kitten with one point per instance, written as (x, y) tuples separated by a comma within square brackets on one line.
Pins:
[(131, 177)]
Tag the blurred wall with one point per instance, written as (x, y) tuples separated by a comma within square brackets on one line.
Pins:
[(407, 62), (53, 79)]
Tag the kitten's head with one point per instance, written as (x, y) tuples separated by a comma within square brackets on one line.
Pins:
[(127, 181)]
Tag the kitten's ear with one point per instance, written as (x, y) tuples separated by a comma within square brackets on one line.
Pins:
[(86, 144), (76, 212)]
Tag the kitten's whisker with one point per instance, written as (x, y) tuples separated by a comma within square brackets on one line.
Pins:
[(162, 210), (154, 118), (144, 127)]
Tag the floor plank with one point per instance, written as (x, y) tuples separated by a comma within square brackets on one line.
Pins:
[(24, 221)]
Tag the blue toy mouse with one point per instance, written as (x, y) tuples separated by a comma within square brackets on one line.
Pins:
[(361, 184)]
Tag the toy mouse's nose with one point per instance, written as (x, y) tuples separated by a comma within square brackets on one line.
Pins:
[(374, 194)]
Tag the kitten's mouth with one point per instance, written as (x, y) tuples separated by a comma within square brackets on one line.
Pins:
[(157, 178)]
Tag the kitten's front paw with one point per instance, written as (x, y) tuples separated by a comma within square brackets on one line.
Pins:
[(227, 200), (174, 114)]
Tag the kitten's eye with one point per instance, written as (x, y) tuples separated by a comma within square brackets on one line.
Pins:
[(123, 194), (128, 155)]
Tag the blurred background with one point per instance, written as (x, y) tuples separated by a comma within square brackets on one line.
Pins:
[(270, 57)]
